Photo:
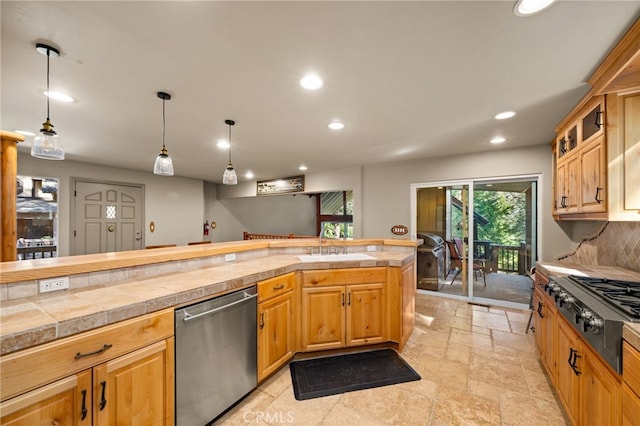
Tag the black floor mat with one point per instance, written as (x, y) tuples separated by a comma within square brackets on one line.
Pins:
[(318, 377)]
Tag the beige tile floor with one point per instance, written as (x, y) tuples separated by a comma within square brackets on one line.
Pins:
[(478, 367)]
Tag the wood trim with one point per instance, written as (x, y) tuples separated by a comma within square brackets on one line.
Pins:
[(624, 57), (620, 70), (9, 163)]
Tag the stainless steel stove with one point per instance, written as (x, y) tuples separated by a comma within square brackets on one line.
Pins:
[(597, 309)]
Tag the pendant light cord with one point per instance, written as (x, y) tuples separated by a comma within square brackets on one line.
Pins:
[(48, 53), (163, 123), (229, 144)]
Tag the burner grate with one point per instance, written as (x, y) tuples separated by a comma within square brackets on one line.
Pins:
[(622, 295)]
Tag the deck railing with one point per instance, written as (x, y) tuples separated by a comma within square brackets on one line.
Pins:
[(514, 259)]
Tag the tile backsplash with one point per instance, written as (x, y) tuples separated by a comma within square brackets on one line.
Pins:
[(615, 244)]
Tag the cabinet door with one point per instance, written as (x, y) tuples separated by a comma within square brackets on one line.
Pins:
[(568, 381), (366, 319), (593, 166), (631, 194), (275, 334), (323, 318), (600, 393), (561, 188), (630, 406), (408, 302), (572, 186), (138, 385), (66, 402), (549, 335)]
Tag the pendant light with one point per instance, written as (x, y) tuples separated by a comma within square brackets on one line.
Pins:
[(229, 177), (48, 145), (163, 165)]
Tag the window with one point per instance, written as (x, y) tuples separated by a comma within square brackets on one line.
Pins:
[(37, 215), (335, 214)]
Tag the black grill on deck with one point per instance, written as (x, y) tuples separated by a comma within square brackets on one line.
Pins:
[(430, 260)]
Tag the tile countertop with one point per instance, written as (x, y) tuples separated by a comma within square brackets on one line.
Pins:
[(630, 331), (46, 317)]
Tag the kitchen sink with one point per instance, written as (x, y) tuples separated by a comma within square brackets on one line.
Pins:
[(334, 257)]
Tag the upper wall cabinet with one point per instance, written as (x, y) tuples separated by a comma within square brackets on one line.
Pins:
[(623, 134), (580, 165), (596, 153)]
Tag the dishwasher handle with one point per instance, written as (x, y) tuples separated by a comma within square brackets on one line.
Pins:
[(189, 317)]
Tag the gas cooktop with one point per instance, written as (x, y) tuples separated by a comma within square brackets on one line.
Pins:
[(622, 295)]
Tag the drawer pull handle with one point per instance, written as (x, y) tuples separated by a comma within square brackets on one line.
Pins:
[(573, 357), (99, 351), (598, 200), (103, 400), (540, 309), (279, 287), (261, 320), (84, 411)]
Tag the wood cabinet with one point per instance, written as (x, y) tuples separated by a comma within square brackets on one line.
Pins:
[(610, 114), (544, 330), (631, 385), (570, 365), (544, 324), (580, 165), (600, 392), (111, 375), (343, 307), (623, 135), (276, 325), (588, 388)]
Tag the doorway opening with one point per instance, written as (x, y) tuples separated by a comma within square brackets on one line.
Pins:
[(483, 239)]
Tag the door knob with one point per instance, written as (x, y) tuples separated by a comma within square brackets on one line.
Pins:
[(110, 228)]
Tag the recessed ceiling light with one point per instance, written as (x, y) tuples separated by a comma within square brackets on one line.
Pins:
[(248, 175), (336, 125), (25, 132), (302, 167), (530, 7), (58, 96), (503, 115), (488, 184), (497, 139), (222, 144), (311, 82)]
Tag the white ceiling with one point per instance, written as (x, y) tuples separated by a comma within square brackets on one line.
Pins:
[(410, 80)]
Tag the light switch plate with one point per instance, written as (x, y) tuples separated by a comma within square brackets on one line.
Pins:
[(230, 257), (371, 248)]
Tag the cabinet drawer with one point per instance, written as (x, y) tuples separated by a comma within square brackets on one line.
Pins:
[(275, 286), (631, 366), (344, 276), (25, 370)]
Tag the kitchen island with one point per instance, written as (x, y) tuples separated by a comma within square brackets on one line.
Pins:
[(589, 347), (116, 317)]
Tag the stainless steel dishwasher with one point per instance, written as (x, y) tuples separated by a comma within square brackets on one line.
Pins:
[(215, 357)]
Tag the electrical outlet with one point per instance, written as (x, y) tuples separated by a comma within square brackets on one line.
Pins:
[(53, 284), (371, 248), (230, 257)]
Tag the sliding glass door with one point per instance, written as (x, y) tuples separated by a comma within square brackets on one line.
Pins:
[(489, 237)]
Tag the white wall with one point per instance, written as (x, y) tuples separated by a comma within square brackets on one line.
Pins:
[(386, 189), (180, 206), (175, 204), (236, 208)]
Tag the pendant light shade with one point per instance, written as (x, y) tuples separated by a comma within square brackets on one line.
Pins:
[(229, 177), (163, 165), (48, 145)]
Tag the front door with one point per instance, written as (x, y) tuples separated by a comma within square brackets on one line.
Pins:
[(108, 218)]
